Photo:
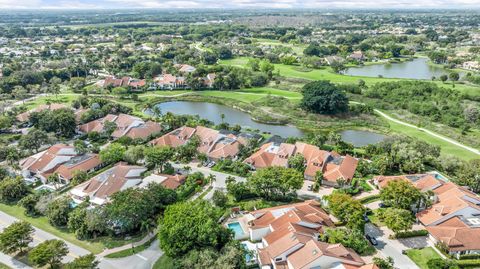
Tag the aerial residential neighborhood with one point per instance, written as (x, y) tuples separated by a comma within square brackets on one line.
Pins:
[(240, 134)]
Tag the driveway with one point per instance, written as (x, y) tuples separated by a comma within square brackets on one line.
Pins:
[(220, 178), (142, 260), (305, 193), (390, 248), (40, 236)]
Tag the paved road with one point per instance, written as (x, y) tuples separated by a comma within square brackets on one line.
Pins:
[(449, 140), (142, 260), (12, 263), (40, 236), (390, 248)]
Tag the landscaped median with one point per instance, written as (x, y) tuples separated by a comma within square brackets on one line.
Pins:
[(41, 223), (131, 251)]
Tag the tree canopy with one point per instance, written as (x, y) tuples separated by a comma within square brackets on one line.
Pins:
[(323, 97)]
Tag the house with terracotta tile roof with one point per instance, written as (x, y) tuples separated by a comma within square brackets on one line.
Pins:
[(25, 116), (304, 215), (100, 188), (126, 125), (185, 68), (331, 164), (289, 236), (215, 144), (170, 82), (450, 201), (121, 82), (459, 234), (61, 159), (424, 182), (175, 138), (168, 181), (453, 218)]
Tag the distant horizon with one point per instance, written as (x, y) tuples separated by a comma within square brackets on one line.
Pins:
[(238, 4)]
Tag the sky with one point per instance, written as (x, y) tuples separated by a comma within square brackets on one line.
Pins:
[(319, 4)]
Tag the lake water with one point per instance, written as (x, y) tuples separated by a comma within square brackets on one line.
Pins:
[(212, 112), (361, 138), (418, 68)]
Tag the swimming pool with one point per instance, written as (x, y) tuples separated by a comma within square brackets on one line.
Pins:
[(248, 257), (237, 229)]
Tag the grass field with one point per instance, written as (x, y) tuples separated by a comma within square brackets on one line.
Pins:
[(3, 266), (446, 147), (296, 48), (42, 223), (164, 262), (95, 247), (130, 251), (422, 256), (327, 74)]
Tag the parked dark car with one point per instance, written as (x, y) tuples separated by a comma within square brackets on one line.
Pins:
[(365, 218), (382, 205), (372, 239)]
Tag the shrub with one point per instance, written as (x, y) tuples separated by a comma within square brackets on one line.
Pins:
[(368, 199), (468, 263), (408, 234), (469, 256)]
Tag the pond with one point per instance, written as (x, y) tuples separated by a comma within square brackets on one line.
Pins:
[(361, 138), (418, 68), (212, 112)]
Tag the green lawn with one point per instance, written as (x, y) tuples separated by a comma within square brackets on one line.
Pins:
[(164, 262), (42, 223), (130, 251), (294, 71), (422, 256), (446, 147), (4, 266), (60, 98)]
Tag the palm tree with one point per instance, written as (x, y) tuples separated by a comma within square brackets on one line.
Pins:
[(212, 178), (222, 116), (157, 111)]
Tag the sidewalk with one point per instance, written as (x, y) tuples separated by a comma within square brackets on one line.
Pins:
[(127, 246), (12, 263)]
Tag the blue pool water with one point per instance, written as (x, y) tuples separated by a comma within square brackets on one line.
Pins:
[(248, 257), (236, 228)]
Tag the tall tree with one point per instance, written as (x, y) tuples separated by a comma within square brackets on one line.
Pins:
[(16, 237), (48, 252), (157, 157), (401, 194), (191, 226), (323, 97)]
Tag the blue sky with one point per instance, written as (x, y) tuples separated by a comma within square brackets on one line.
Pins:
[(109, 4)]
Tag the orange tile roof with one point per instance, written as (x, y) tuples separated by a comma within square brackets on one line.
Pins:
[(308, 211), (112, 180), (173, 182), (22, 117), (331, 164), (175, 138), (314, 249), (456, 235), (451, 199), (423, 182), (87, 163)]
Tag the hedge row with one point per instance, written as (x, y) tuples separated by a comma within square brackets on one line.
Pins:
[(368, 199), (469, 256), (468, 263), (411, 234)]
